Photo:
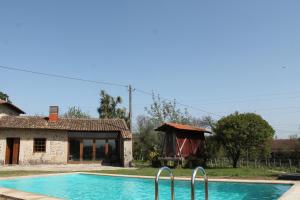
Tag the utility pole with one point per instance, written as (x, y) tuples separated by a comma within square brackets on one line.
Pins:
[(130, 107)]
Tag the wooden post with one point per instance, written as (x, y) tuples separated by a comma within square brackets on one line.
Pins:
[(279, 162), (130, 107), (81, 150)]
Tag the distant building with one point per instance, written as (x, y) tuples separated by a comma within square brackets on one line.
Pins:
[(284, 145), (8, 109), (55, 140)]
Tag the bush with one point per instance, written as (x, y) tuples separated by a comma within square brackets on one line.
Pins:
[(193, 162), (153, 157)]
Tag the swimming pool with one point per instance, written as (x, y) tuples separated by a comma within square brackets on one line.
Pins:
[(92, 187)]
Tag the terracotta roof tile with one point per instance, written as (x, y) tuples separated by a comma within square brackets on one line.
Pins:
[(181, 127), (284, 145), (69, 124)]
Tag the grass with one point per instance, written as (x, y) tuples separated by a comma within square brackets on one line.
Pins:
[(241, 173), (143, 169)]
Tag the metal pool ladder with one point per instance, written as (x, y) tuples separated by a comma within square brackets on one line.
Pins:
[(157, 179), (193, 182)]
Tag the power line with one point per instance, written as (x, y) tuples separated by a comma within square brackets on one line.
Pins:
[(253, 97), (179, 103), (99, 82), (62, 76)]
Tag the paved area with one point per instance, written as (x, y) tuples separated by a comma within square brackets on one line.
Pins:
[(293, 193), (10, 194), (57, 168)]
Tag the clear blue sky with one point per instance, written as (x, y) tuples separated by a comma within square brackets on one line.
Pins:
[(220, 56)]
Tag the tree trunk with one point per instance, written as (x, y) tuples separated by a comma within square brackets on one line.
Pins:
[(234, 164), (235, 160)]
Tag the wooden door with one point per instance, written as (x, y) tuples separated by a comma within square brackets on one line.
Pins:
[(9, 150), (12, 151), (16, 150)]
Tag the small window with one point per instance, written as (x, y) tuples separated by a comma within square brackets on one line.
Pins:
[(39, 145)]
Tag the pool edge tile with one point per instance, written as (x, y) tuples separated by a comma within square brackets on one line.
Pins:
[(293, 193), (7, 193)]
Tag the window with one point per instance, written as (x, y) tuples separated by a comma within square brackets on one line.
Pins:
[(39, 145)]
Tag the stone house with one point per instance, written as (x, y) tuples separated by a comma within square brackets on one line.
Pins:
[(8, 109), (55, 140)]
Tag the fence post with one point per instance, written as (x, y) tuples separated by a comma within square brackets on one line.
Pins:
[(290, 162), (280, 163), (266, 162)]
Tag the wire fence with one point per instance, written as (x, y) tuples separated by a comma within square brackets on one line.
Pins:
[(284, 164)]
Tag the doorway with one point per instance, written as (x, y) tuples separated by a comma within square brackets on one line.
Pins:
[(12, 151)]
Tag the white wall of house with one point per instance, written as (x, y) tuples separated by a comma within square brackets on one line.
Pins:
[(127, 152), (56, 146), (6, 110)]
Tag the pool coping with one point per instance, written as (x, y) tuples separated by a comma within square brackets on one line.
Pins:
[(12, 194)]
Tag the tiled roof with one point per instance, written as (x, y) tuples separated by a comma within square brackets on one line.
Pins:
[(284, 145), (184, 127), (69, 124), (12, 106)]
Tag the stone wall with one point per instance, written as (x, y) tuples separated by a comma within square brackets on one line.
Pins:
[(56, 146), (127, 152)]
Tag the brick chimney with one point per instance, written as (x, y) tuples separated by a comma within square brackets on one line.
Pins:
[(53, 113)]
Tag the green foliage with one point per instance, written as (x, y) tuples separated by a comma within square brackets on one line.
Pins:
[(167, 111), (204, 122), (241, 133), (4, 97), (153, 155), (76, 112), (213, 148), (109, 107), (243, 173), (146, 140)]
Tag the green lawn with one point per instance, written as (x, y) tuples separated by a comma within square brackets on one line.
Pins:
[(243, 173)]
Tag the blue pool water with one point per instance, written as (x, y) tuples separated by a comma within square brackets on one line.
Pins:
[(92, 187)]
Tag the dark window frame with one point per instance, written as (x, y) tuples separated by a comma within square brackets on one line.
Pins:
[(39, 145)]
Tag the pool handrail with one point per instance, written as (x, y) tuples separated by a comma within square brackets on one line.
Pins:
[(157, 180), (202, 170)]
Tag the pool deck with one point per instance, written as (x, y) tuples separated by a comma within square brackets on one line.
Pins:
[(9, 194), (60, 168)]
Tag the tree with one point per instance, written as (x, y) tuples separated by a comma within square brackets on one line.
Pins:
[(167, 111), (161, 111), (239, 133), (109, 107), (205, 122), (76, 112), (146, 139), (4, 97)]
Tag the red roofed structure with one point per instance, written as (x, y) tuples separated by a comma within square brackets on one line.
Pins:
[(181, 141)]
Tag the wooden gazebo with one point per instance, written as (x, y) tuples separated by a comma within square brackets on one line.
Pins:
[(181, 141)]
